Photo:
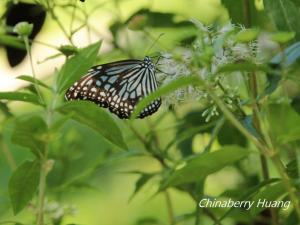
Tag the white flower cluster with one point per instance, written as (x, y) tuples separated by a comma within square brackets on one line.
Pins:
[(213, 48), (56, 211)]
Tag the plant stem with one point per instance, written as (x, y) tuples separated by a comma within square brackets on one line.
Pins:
[(228, 114), (253, 86), (169, 208), (197, 216), (73, 16), (215, 133), (247, 13), (43, 159), (163, 164), (212, 216), (42, 191), (54, 17), (36, 86), (255, 111), (265, 150), (286, 181)]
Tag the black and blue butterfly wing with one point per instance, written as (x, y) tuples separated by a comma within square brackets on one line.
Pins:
[(118, 86)]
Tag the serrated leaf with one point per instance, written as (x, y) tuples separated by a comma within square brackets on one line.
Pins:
[(28, 132), (200, 166), (178, 83), (23, 184), (284, 14), (96, 118), (32, 80), (19, 96), (77, 66)]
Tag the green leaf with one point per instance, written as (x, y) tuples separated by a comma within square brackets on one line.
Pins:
[(137, 22), (5, 110), (283, 37), (291, 219), (282, 60), (192, 121), (284, 14), (146, 18), (68, 50), (289, 127), (291, 54), (11, 41), (143, 179), (179, 83), (76, 159), (273, 79), (96, 118), (148, 221), (30, 133), (229, 135), (200, 166), (19, 96), (77, 66), (292, 169), (247, 35), (246, 195), (187, 135), (32, 80), (23, 184), (269, 193), (236, 11), (296, 2)]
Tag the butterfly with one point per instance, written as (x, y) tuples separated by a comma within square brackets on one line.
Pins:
[(118, 86)]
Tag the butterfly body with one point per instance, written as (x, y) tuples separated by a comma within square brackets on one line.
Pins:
[(118, 86)]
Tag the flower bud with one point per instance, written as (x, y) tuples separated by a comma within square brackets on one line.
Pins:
[(23, 29)]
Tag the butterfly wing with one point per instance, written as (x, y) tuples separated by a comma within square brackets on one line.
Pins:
[(117, 86)]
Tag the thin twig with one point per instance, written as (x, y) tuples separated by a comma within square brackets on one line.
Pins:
[(169, 208), (36, 86), (212, 216)]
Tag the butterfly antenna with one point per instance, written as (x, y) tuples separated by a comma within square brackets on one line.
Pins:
[(155, 41)]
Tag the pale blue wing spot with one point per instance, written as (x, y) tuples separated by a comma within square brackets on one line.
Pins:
[(113, 79)]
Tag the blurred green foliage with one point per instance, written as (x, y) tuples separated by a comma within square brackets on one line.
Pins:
[(239, 107)]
